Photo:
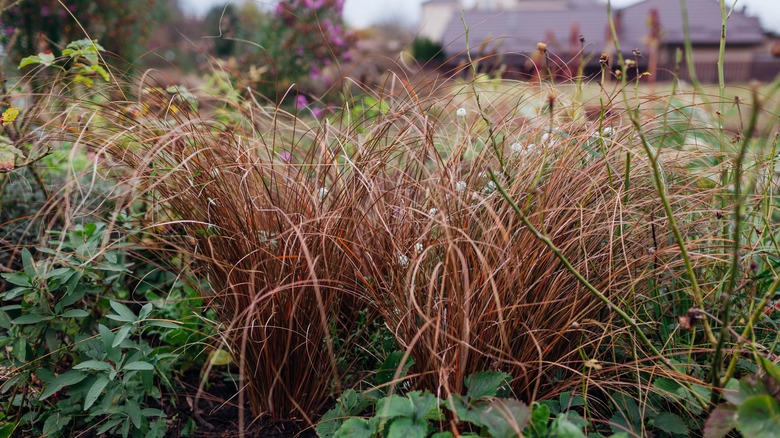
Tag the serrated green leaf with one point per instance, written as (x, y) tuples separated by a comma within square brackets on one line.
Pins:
[(540, 417), (485, 383), (563, 428), (426, 406), (505, 418), (391, 364), (394, 406), (670, 423), (407, 428), (349, 404), (759, 417), (356, 428), (94, 391), (67, 378)]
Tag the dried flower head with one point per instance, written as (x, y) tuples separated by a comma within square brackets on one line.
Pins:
[(322, 193), (461, 112), (403, 260), (541, 47), (604, 60), (432, 212), (460, 186), (419, 248)]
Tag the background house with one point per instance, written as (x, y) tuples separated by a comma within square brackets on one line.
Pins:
[(505, 32)]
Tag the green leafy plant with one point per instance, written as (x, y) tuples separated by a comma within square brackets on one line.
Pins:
[(484, 410), (70, 368), (752, 406)]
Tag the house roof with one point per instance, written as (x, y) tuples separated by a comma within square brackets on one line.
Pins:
[(704, 21), (519, 31)]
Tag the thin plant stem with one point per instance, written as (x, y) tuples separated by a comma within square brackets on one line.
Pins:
[(661, 187), (736, 246), (582, 280)]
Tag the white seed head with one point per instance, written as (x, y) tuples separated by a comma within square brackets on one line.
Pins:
[(490, 187), (545, 137), (460, 186), (322, 193), (418, 248), (432, 212), (461, 112), (516, 148), (403, 260), (608, 131)]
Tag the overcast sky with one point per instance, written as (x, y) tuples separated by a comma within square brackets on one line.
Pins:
[(362, 13)]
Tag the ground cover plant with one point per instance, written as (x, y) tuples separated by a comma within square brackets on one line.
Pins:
[(461, 258)]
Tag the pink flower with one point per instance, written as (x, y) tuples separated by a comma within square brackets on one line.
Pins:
[(301, 101)]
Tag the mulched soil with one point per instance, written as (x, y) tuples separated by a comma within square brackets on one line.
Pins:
[(216, 413)]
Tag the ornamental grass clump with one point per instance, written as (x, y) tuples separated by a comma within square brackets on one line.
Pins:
[(404, 208)]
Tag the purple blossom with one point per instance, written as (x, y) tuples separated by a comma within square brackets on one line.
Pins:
[(317, 112), (286, 156), (301, 101), (315, 73)]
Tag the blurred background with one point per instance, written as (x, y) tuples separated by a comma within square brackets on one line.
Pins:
[(316, 44)]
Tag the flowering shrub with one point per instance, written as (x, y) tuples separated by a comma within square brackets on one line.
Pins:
[(297, 43), (41, 25)]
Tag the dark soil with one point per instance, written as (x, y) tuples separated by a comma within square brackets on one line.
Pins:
[(216, 413)]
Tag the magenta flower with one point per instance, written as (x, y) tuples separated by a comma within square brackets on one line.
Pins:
[(301, 101)]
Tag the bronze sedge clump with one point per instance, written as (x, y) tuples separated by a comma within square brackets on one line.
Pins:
[(296, 228), (466, 287), (269, 226)]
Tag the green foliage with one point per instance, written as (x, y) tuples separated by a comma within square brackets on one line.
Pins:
[(123, 26), (62, 331), (752, 407), (80, 59), (426, 50), (419, 414), (296, 43)]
